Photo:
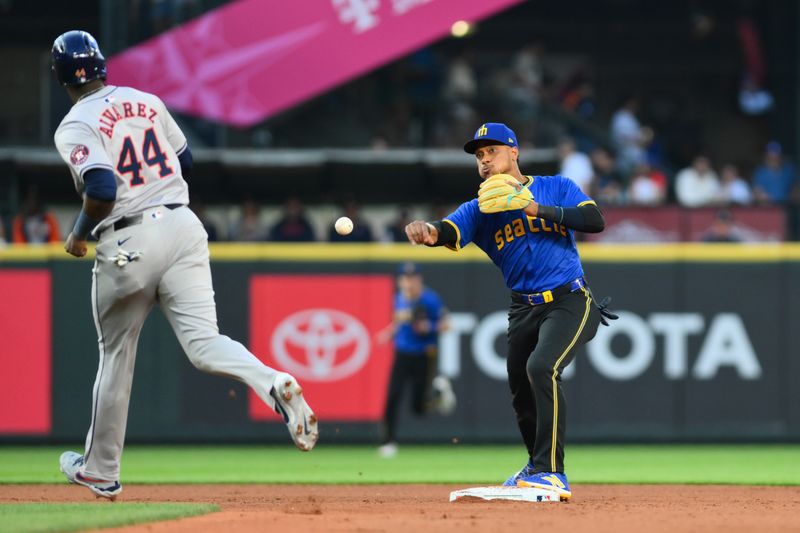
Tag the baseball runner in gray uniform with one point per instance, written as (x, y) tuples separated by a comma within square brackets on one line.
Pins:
[(128, 159)]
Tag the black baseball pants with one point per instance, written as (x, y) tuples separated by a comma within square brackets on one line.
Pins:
[(542, 340), (408, 369)]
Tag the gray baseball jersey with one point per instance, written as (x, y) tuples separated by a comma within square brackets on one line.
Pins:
[(156, 252), (131, 133)]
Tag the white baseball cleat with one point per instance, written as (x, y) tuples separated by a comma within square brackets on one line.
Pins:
[(388, 450), (445, 398), (71, 465), (290, 404)]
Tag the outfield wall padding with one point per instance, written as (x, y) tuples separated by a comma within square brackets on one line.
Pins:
[(706, 347)]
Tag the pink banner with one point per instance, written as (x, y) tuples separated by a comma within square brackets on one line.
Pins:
[(251, 59)]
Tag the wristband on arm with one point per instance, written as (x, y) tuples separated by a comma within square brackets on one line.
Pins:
[(83, 226), (446, 233)]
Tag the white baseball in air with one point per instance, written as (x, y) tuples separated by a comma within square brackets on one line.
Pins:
[(343, 226)]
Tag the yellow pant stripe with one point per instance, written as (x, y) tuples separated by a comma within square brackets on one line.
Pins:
[(555, 385)]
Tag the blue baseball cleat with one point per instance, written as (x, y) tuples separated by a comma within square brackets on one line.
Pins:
[(553, 481), (526, 471)]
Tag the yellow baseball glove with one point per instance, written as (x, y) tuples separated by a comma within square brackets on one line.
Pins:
[(502, 192)]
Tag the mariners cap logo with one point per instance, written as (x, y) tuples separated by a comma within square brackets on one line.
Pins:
[(494, 131)]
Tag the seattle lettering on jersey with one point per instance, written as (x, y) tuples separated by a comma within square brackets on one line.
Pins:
[(111, 115), (516, 228)]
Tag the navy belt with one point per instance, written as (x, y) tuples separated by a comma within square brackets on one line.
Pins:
[(135, 219), (539, 298)]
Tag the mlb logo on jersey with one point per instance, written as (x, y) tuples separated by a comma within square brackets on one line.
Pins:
[(79, 154)]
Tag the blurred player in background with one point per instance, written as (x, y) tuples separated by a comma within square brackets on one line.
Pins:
[(128, 159), (525, 225), (419, 318)]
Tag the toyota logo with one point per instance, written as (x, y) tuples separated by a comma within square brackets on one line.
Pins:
[(321, 344)]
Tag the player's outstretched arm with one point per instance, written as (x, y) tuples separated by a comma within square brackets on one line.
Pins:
[(431, 233)]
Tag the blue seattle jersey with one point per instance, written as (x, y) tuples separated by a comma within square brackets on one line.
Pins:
[(429, 305), (534, 254)]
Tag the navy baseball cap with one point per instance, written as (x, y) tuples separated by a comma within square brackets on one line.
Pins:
[(408, 269), (492, 131)]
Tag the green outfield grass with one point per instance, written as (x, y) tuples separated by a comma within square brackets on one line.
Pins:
[(41, 517), (739, 464)]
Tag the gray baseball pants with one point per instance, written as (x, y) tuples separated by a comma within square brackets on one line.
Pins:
[(173, 270)]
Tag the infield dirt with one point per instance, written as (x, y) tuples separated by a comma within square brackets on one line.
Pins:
[(411, 508)]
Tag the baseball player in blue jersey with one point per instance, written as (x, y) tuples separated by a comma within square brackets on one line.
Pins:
[(525, 225), (419, 318)]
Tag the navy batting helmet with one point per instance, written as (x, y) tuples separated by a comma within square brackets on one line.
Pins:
[(76, 58)]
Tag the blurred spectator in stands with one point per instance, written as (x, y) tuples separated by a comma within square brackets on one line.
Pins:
[(527, 67), (648, 186), (609, 187), (774, 179), (459, 93), (697, 185), (396, 231), (578, 96), (361, 230), (249, 226), (293, 226), (629, 136), (523, 91), (461, 82), (733, 188), (34, 224), (200, 211), (422, 85), (722, 229), (575, 165), (578, 99), (3, 239), (753, 99)]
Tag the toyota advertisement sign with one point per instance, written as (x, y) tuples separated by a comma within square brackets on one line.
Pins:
[(321, 329)]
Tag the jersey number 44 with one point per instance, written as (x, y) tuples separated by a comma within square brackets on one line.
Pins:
[(131, 162)]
